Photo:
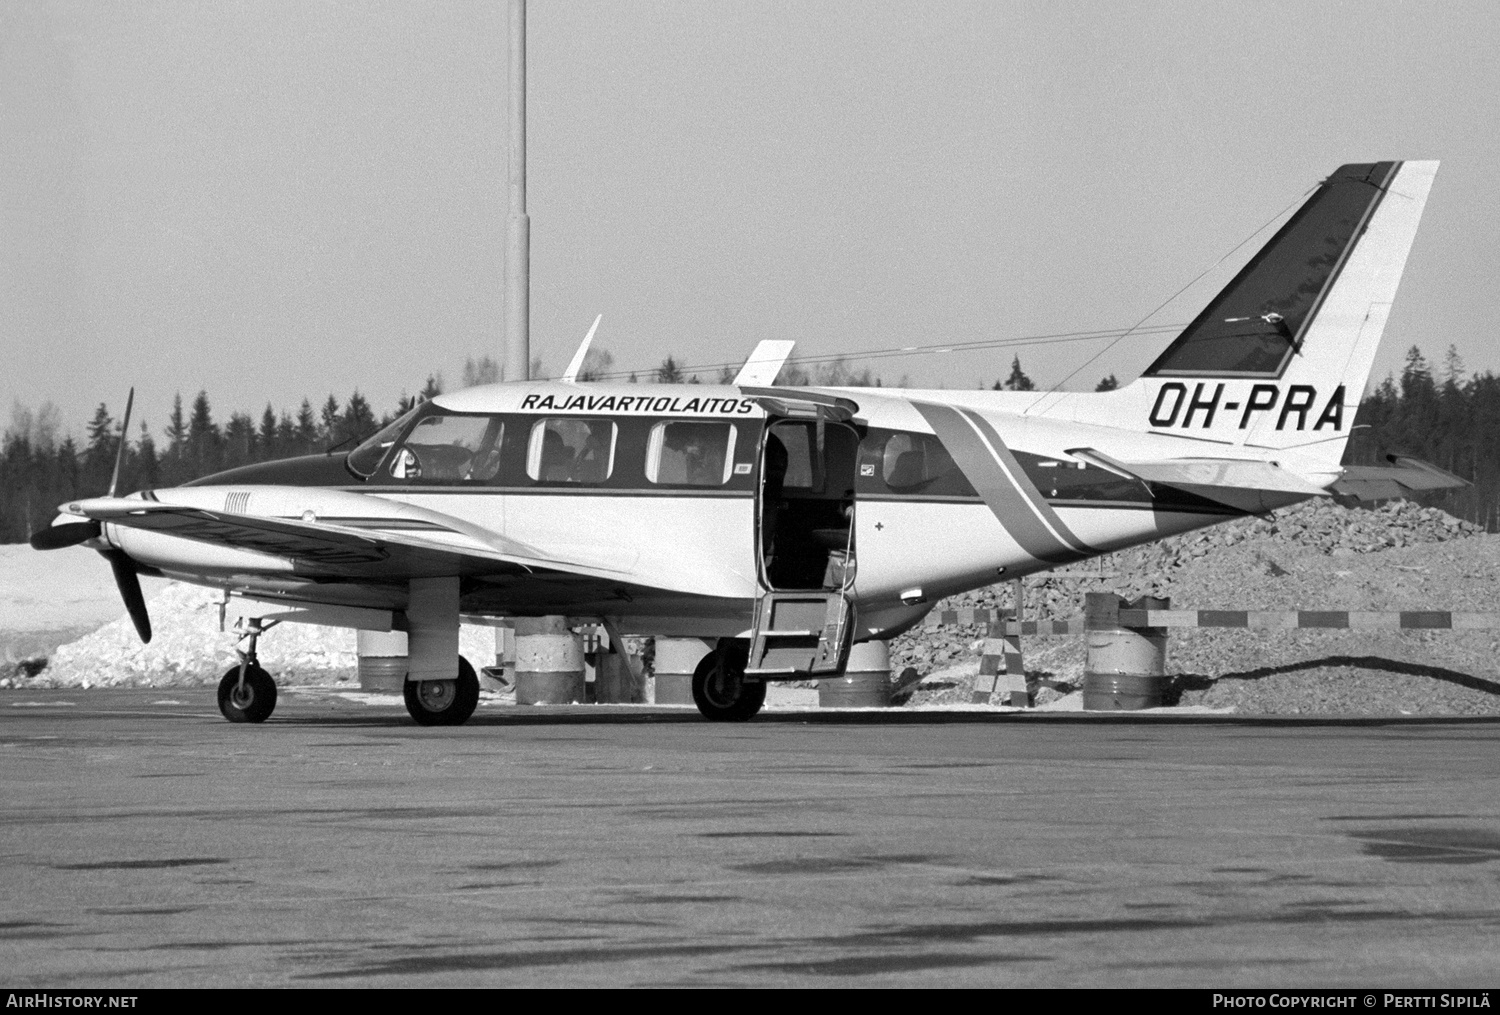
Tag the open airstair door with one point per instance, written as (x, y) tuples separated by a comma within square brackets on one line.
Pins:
[(804, 621)]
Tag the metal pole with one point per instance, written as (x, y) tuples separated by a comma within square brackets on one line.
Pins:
[(518, 226)]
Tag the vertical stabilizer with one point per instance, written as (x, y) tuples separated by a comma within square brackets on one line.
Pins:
[(1279, 359)]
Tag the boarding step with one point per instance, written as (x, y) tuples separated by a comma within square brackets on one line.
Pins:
[(801, 634)]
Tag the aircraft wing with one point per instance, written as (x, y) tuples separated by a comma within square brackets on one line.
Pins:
[(1244, 484), (1407, 476), (353, 548), (764, 363)]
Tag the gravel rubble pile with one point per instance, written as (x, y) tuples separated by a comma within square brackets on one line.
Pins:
[(1315, 555)]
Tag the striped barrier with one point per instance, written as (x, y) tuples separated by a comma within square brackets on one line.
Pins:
[(1266, 620), (1293, 620), (1002, 668)]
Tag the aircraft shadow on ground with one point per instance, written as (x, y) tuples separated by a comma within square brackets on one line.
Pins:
[(892, 717), (1197, 682)]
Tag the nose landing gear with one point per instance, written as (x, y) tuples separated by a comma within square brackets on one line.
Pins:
[(247, 693)]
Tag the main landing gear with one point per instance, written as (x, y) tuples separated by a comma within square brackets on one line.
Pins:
[(444, 702), (247, 693), (721, 690)]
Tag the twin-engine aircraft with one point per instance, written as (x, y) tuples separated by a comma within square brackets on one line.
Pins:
[(786, 523)]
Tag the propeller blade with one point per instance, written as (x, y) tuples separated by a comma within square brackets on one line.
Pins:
[(67, 534), (130, 591), (114, 481)]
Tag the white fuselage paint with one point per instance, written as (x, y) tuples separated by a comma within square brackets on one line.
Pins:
[(698, 550)]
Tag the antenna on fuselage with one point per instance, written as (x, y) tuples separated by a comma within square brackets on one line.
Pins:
[(570, 375)]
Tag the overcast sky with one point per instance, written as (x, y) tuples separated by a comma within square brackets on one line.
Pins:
[(272, 200)]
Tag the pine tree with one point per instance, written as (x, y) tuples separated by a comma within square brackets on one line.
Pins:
[(146, 472), (67, 470), (328, 433), (358, 421), (481, 371), (203, 453), (239, 441), (1017, 381), (177, 430), (286, 436), (267, 442), (99, 454), (669, 372), (307, 429), (596, 364)]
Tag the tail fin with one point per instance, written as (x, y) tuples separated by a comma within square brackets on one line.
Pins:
[(1280, 357)]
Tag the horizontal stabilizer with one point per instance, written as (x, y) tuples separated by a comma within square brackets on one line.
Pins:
[(1247, 485), (1405, 477)]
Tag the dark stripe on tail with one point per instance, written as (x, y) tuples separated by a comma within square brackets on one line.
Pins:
[(1253, 327)]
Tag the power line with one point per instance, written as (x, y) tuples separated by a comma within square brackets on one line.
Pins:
[(936, 348)]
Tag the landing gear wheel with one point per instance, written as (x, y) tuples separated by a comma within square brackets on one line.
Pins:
[(252, 703), (444, 702), (720, 689)]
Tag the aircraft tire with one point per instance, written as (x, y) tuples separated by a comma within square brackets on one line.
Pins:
[(443, 702), (720, 689), (256, 703)]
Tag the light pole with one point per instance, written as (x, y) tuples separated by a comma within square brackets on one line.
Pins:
[(518, 225)]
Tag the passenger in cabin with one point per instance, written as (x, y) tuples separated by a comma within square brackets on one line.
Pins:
[(693, 453), (592, 463), (557, 458)]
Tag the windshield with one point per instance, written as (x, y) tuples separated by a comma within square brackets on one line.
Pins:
[(365, 459), (447, 448)]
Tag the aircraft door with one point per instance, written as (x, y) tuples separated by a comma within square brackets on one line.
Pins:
[(805, 546)]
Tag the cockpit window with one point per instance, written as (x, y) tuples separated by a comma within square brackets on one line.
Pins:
[(365, 459), (444, 448), (571, 451)]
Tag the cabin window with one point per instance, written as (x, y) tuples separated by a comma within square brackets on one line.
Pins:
[(912, 460), (449, 449), (571, 451), (691, 453)]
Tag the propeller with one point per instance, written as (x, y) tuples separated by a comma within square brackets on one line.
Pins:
[(114, 480), (129, 584), (127, 580), (127, 577), (67, 534)]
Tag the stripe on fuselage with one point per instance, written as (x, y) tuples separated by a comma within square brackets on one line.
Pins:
[(1006, 489)]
